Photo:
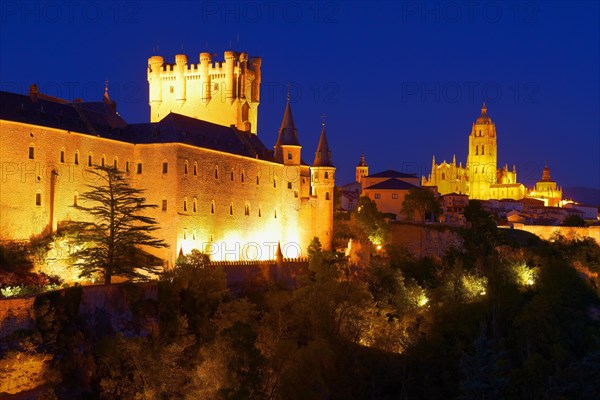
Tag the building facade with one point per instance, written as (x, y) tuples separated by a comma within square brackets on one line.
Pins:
[(480, 178), (218, 187)]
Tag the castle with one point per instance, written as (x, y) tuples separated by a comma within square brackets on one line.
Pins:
[(217, 186), (480, 178)]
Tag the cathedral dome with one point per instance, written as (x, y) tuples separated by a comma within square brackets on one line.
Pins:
[(483, 118)]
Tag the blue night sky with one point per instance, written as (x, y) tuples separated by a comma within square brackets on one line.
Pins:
[(399, 81)]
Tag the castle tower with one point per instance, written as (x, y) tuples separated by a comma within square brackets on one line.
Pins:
[(225, 93), (362, 169), (482, 158), (287, 148), (322, 180)]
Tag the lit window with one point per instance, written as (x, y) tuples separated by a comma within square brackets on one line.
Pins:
[(31, 152), (139, 168), (164, 205), (62, 156), (165, 167), (38, 199), (394, 195)]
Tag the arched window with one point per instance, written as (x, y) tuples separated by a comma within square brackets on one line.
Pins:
[(483, 149), (476, 150), (212, 207), (90, 159), (259, 211), (246, 209), (443, 176), (326, 175), (195, 205), (62, 155), (275, 213), (274, 182), (216, 172), (76, 159), (230, 208), (326, 195), (185, 167), (185, 204), (195, 168), (116, 163), (103, 161), (231, 176), (242, 176), (75, 199), (257, 180)]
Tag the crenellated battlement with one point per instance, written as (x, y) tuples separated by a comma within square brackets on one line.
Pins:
[(224, 92)]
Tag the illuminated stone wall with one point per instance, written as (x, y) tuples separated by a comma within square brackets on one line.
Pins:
[(288, 213)]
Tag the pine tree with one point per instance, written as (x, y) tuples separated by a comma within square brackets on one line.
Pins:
[(109, 245)]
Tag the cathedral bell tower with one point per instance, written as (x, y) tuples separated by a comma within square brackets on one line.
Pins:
[(482, 158), (362, 169)]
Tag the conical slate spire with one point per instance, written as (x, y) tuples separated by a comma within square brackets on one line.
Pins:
[(323, 155), (288, 135)]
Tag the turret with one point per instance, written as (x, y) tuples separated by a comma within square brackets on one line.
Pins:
[(230, 60), (155, 65), (242, 77), (322, 182), (205, 63), (180, 82), (362, 169), (287, 148), (255, 63), (546, 174)]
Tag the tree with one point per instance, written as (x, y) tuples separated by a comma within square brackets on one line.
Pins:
[(108, 245), (422, 202), (573, 220), (370, 221)]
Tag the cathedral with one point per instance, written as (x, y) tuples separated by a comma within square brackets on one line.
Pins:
[(480, 178), (218, 188)]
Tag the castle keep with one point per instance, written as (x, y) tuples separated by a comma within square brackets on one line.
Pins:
[(217, 186)]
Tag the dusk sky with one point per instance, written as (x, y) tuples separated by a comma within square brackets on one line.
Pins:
[(398, 81)]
